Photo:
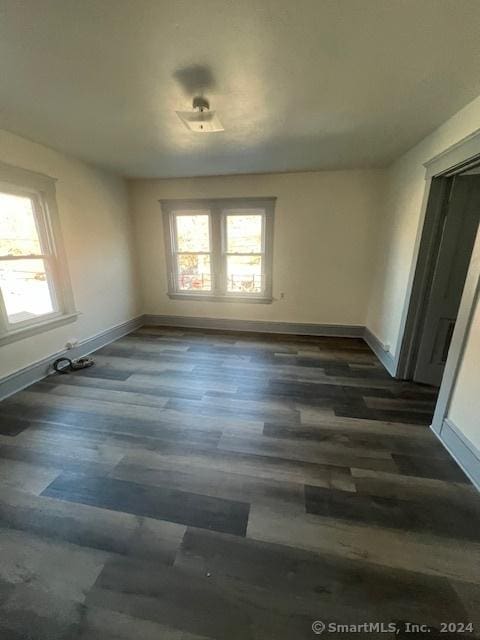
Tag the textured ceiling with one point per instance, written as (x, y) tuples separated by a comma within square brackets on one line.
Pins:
[(298, 85)]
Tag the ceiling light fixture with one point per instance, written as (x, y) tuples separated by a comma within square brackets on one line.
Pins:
[(201, 119)]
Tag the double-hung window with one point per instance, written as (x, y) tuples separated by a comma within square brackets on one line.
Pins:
[(33, 279), (219, 249)]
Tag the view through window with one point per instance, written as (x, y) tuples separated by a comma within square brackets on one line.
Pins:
[(244, 253), (26, 285), (193, 252)]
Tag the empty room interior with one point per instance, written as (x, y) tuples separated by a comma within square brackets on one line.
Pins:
[(239, 319)]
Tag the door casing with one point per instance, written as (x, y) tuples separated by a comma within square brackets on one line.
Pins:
[(438, 183), (448, 252)]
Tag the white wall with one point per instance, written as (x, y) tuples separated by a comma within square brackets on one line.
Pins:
[(464, 409), (98, 239), (325, 226), (397, 242), (401, 223)]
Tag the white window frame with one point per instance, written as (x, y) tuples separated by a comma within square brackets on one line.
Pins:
[(219, 209), (41, 191)]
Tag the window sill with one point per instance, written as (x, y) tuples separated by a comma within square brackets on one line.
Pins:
[(34, 329), (213, 298)]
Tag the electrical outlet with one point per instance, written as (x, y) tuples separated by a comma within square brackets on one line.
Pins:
[(282, 295), (71, 344)]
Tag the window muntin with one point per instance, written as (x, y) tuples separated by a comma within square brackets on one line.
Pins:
[(219, 249)]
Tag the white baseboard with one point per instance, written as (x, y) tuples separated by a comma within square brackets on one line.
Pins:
[(462, 450), (36, 371), (258, 326), (380, 351)]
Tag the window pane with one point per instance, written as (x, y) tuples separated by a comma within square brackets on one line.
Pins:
[(18, 232), (244, 274), (25, 289), (193, 233), (194, 272), (244, 234)]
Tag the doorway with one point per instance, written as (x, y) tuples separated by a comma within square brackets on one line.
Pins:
[(451, 223)]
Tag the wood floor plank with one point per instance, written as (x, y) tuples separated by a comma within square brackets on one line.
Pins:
[(12, 425), (457, 520), (306, 452), (387, 547), (90, 527), (231, 407), (406, 404), (201, 484), (414, 417), (114, 407), (156, 390), (119, 397), (349, 439), (413, 465), (178, 506), (105, 624), (125, 366), (354, 588), (326, 418), (412, 487), (174, 380), (250, 465), (33, 478), (26, 558), (44, 602), (166, 597), (210, 482), (61, 452)]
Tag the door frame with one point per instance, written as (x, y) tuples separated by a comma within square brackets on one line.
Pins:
[(438, 176), (429, 243)]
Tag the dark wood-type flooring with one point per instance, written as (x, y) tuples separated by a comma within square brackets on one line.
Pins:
[(205, 485)]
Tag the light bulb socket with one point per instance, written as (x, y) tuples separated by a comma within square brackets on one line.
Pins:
[(201, 103)]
